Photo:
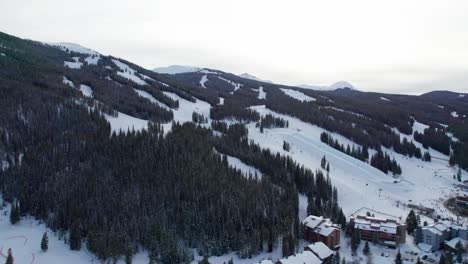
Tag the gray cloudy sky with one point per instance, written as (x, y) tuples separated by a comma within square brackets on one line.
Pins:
[(396, 46)]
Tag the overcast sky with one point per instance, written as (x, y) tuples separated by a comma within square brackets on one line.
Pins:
[(407, 46)]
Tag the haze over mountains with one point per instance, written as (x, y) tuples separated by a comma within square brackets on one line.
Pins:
[(120, 163)]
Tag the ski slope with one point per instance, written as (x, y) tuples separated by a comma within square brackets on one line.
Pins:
[(298, 95), (358, 183)]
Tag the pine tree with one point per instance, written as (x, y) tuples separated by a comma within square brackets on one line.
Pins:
[(9, 259), (355, 240), (398, 259), (344, 261), (459, 175), (128, 252), (336, 258), (204, 260), (45, 242), (449, 258), (12, 214), (418, 261), (411, 222), (442, 259), (459, 251), (366, 249), (286, 146), (75, 236)]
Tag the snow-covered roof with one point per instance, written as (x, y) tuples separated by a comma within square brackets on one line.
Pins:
[(320, 249), (437, 228), (305, 257), (323, 226), (313, 221), (452, 243), (376, 224)]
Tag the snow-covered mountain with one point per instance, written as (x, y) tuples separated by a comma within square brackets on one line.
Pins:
[(174, 69), (251, 77), (74, 47), (335, 86)]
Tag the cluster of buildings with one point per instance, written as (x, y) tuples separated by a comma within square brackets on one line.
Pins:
[(325, 236), (441, 235), (385, 231)]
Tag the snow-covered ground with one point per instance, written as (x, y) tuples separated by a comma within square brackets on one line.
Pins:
[(186, 108), (298, 95), (128, 73), (385, 99), (24, 239), (261, 93), (175, 69), (92, 59), (151, 98), (245, 169), (86, 90), (73, 47), (76, 64), (68, 82), (124, 123), (203, 80), (359, 184), (236, 86)]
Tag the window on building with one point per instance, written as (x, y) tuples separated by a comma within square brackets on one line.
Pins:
[(428, 239)]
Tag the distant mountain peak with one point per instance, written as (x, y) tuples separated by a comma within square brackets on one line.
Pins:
[(341, 85), (251, 77), (175, 69), (335, 86)]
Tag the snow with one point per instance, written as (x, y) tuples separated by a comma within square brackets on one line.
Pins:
[(76, 64), (175, 69), (358, 183), (151, 98), (340, 85), (303, 203), (86, 90), (335, 86), (321, 250), (261, 93), (163, 84), (128, 73), (419, 127), (461, 95), (68, 82), (251, 77), (425, 247), (208, 71), (186, 108), (245, 169), (74, 47), (384, 99), (124, 123), (452, 243), (305, 257), (454, 114), (221, 101), (298, 95), (236, 86), (24, 239), (344, 111), (203, 80), (3, 54), (92, 60)]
